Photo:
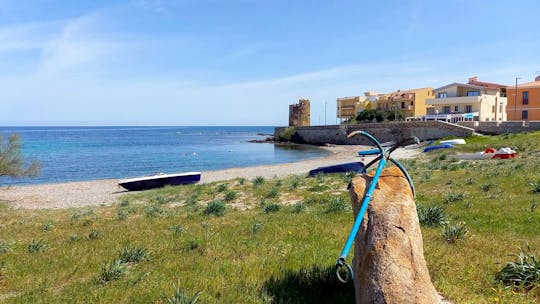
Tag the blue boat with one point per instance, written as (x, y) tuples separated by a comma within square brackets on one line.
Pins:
[(160, 180), (438, 147), (341, 168)]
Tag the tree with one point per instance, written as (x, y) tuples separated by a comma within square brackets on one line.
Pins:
[(12, 161), (371, 116)]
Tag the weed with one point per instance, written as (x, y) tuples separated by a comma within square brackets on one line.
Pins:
[(452, 197), (532, 205), (222, 187), (319, 188), (37, 246), (231, 196), (271, 207), (278, 183), (522, 274), (179, 297), (295, 183), (256, 227), (112, 271), (535, 186), (216, 208), (154, 211), (192, 244), (94, 234), (47, 226), (4, 247), (258, 181), (177, 229), (319, 177), (192, 199), (317, 199), (486, 187), (299, 207), (469, 181), (124, 202), (337, 204), (133, 254), (74, 237), (348, 176), (241, 181), (159, 199), (454, 232), (431, 215), (426, 176)]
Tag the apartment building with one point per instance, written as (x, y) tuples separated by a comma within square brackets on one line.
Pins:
[(524, 101)]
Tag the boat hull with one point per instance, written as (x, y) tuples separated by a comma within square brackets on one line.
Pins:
[(438, 147), (341, 168), (153, 182)]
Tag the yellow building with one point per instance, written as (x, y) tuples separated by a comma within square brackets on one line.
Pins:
[(349, 107), (409, 102)]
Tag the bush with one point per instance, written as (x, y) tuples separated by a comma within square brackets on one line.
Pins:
[(287, 134), (454, 232), (258, 181), (159, 199), (431, 215), (94, 234), (179, 297), (523, 273), (177, 229), (337, 204), (271, 207), (299, 207), (535, 186), (256, 227), (154, 211), (216, 208), (222, 187), (112, 271), (37, 246), (273, 193), (295, 182), (47, 226), (230, 196), (132, 254), (4, 247), (452, 197), (12, 161)]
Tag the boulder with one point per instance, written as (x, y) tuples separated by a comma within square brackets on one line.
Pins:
[(389, 265)]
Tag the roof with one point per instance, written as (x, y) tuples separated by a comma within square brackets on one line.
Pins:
[(532, 84), (489, 85), (466, 85)]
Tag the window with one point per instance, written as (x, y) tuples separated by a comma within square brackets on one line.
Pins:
[(446, 109), (525, 97), (524, 114), (442, 95), (456, 108), (412, 103), (468, 108), (403, 104), (473, 93)]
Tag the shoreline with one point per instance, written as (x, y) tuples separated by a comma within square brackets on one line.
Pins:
[(106, 191)]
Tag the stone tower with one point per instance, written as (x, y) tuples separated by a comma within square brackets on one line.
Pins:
[(299, 114)]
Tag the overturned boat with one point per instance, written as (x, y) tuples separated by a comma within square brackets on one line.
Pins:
[(160, 180), (357, 167)]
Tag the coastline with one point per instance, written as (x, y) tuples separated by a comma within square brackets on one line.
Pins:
[(107, 191)]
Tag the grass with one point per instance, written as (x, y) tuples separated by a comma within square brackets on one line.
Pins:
[(248, 256), (523, 274)]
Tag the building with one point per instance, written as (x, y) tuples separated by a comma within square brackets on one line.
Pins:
[(524, 102), (473, 101), (349, 107), (409, 102), (299, 114)]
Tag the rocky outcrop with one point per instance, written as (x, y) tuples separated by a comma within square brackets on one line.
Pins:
[(389, 265)]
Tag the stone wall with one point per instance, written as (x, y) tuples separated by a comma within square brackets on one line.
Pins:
[(388, 131), (494, 127), (299, 113)]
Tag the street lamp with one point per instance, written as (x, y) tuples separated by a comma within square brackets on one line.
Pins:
[(515, 100)]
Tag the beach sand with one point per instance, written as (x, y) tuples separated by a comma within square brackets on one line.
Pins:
[(105, 192)]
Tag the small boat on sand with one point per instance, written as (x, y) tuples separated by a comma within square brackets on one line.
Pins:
[(503, 153), (438, 147), (457, 141), (160, 180), (341, 168)]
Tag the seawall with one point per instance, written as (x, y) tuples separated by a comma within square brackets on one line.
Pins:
[(387, 131), (494, 127)]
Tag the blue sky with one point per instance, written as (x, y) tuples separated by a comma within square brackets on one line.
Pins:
[(242, 62)]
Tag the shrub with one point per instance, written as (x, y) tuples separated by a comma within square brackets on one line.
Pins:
[(337, 204), (523, 273), (230, 196), (273, 193), (319, 177), (112, 271), (258, 181), (37, 246), (216, 208), (47, 226), (94, 234), (154, 211), (299, 207), (469, 181), (295, 182), (532, 205), (177, 229), (222, 187), (241, 181), (256, 227), (179, 297), (287, 134), (452, 197), (431, 215), (486, 187), (192, 199), (74, 237), (133, 254), (192, 244), (4, 247), (535, 186), (454, 232), (271, 207), (124, 202), (159, 199)]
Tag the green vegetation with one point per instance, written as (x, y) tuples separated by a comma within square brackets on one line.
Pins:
[(287, 134), (12, 161), (285, 255)]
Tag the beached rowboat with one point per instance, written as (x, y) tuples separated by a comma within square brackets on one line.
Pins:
[(342, 168), (160, 180)]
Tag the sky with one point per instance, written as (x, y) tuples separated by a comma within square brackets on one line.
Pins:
[(242, 62)]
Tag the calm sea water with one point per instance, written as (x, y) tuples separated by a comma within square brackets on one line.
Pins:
[(87, 153)]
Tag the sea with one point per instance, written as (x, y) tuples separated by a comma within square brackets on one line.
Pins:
[(88, 153)]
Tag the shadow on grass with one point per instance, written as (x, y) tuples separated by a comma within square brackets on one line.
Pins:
[(309, 285)]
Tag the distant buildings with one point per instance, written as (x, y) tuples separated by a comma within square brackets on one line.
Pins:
[(409, 102), (473, 101), (524, 103), (299, 114)]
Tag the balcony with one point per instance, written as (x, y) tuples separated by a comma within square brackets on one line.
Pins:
[(454, 100)]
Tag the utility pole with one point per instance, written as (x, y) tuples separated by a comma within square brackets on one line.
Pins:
[(515, 99), (325, 112)]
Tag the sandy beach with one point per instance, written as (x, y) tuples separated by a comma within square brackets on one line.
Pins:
[(98, 192)]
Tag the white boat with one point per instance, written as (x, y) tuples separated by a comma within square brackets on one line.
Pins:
[(160, 180), (457, 141), (474, 156)]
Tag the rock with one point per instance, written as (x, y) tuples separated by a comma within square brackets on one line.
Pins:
[(389, 265)]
